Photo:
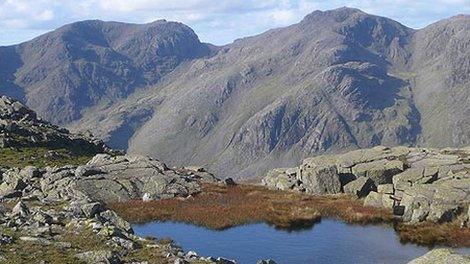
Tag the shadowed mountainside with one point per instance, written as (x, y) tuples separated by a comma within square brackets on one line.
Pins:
[(339, 79), (86, 63)]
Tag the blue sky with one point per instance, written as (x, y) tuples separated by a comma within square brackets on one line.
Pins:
[(215, 21)]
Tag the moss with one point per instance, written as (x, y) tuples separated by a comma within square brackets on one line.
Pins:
[(28, 252), (37, 157)]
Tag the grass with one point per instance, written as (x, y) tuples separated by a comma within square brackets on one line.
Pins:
[(223, 207), (81, 240), (37, 156), (446, 234)]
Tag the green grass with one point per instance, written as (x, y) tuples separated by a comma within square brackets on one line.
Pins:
[(36, 157)]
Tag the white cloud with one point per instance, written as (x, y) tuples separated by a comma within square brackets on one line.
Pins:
[(216, 21), (14, 23), (45, 15)]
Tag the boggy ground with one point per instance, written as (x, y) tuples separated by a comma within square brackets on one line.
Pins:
[(223, 207)]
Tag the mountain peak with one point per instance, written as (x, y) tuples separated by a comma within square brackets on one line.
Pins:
[(340, 13)]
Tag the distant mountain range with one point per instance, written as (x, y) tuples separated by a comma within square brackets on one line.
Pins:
[(338, 80)]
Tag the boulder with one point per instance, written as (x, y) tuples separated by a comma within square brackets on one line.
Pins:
[(443, 212), (385, 188), (360, 187), (220, 260), (99, 256), (87, 170), (230, 182), (350, 159), (440, 201), (266, 261), (376, 199), (379, 171), (30, 172), (116, 220), (91, 209), (155, 185), (442, 255), (279, 179), (421, 175), (4, 239), (20, 209), (321, 180)]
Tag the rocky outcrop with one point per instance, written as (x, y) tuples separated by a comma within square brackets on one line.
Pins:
[(442, 255), (430, 184), (52, 200), (105, 178), (20, 127)]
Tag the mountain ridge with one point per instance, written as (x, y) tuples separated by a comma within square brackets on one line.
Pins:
[(338, 80)]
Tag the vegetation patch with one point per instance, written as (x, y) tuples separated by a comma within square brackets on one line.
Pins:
[(41, 157), (223, 207), (445, 234), (72, 242)]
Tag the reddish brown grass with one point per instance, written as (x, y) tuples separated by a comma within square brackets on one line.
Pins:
[(446, 234), (222, 207)]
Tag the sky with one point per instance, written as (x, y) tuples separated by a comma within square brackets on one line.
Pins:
[(217, 21)]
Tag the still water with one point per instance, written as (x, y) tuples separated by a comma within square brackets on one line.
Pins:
[(327, 242)]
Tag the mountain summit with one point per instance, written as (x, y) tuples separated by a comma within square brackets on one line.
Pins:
[(86, 63), (339, 79)]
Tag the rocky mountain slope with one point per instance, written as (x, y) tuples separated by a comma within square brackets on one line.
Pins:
[(339, 79), (21, 128), (83, 64)]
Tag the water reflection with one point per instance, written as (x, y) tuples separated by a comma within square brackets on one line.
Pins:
[(327, 241)]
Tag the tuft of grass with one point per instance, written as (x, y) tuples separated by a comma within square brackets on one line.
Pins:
[(223, 207), (430, 234), (37, 156)]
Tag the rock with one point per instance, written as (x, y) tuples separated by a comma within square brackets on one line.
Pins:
[(321, 180), (191, 254), (128, 177), (42, 218), (379, 171), (146, 197), (376, 199), (385, 188), (180, 261), (155, 186), (415, 176), (20, 209), (266, 261), (91, 209), (125, 243), (468, 217), (116, 220), (87, 170), (36, 240), (279, 179), (99, 256), (195, 168), (225, 261), (360, 187), (4, 239), (441, 201), (441, 255), (441, 212), (230, 182), (30, 172)]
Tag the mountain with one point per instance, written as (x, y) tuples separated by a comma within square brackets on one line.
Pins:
[(340, 79), (21, 129), (83, 64)]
